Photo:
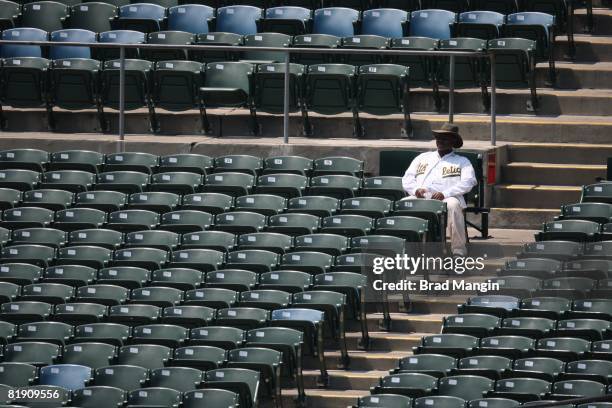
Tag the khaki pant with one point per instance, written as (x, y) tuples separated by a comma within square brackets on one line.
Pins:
[(455, 227)]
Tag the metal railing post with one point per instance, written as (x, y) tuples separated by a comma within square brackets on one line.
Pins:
[(122, 95), (493, 107), (451, 89), (286, 100)]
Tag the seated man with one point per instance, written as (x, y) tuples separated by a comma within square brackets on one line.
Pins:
[(444, 175)]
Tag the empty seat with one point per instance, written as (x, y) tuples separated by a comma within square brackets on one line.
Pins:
[(231, 183), (163, 334), (307, 261), (219, 39), (265, 204), (508, 346), (132, 220), (41, 236), (180, 278), (94, 355), (191, 18), (39, 255), (153, 201), (199, 357), (286, 185), (277, 40), (93, 396), (211, 297), (34, 353), (216, 240), (130, 161), (238, 19), (125, 377), (242, 317), (102, 294), (521, 389), (182, 379), (563, 348), (101, 200), (129, 277), (118, 36), (479, 325), (71, 35), (432, 23), (168, 38), (457, 345), (497, 305), (186, 162), (243, 381), (195, 399), (92, 256), (165, 240), (144, 17), (20, 273), (79, 218), (17, 374), (560, 250), (134, 314), (291, 20), (332, 244), (47, 198), (201, 259), (150, 258), (224, 337), (347, 225), (156, 295), (149, 356), (111, 333), (285, 280), (47, 292), (79, 313), (188, 316), (545, 368), (67, 376), (407, 384), (44, 15), (9, 198), (485, 25)]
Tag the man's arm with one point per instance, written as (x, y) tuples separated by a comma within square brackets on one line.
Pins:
[(409, 180), (465, 184)]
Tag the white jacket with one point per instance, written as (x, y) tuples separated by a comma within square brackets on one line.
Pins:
[(451, 175)]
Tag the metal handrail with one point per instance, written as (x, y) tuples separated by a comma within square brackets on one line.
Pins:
[(287, 51)]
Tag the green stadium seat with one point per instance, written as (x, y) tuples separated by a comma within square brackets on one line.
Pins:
[(17, 374), (195, 399), (176, 182), (36, 353), (467, 387), (534, 327), (412, 229), (168, 38), (293, 224), (111, 333), (122, 181), (291, 20), (9, 292), (201, 259), (94, 17), (378, 244), (265, 204), (124, 377), (408, 384), (589, 329), (102, 294), (157, 296), (591, 308), (231, 183), (82, 160), (545, 368), (93, 396), (599, 193), (493, 367), (153, 201), (507, 346), (353, 286), (131, 161), (165, 240), (560, 250), (187, 162), (179, 278), (389, 187), (434, 211), (26, 217), (129, 277), (268, 241), (220, 39), (41, 236), (228, 84), (75, 181), (496, 305), (47, 198), (44, 15), (562, 348), (146, 397), (593, 370), (39, 255), (291, 281), (347, 225), (334, 185), (213, 203), (19, 179), (338, 165), (185, 221), (47, 292), (73, 219), (315, 41), (188, 316), (589, 268), (473, 324), (570, 288), (211, 297), (456, 345), (92, 256), (597, 212), (521, 389), (132, 220), (569, 230), (374, 207), (216, 240), (266, 361), (9, 15), (182, 379), (240, 222), (548, 307), (307, 261), (148, 258), (20, 273), (385, 400), (25, 311), (9, 198), (149, 356), (446, 401), (244, 382), (321, 206), (163, 334), (239, 280), (49, 332), (576, 389), (245, 318), (265, 39), (515, 60), (79, 313), (102, 200), (94, 355), (134, 314), (241, 163), (285, 185), (436, 365), (225, 337), (137, 92), (518, 286), (331, 244)]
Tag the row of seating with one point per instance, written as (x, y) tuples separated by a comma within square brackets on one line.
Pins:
[(566, 250), (547, 307), (573, 287), (471, 387), (244, 20), (96, 396), (402, 401), (543, 268), (95, 162)]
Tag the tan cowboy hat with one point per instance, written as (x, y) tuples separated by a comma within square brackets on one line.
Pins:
[(450, 129)]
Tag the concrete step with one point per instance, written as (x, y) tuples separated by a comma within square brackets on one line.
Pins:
[(534, 196), (531, 218), (602, 18), (320, 398), (345, 380), (574, 75), (560, 153), (589, 48), (359, 360), (552, 174)]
